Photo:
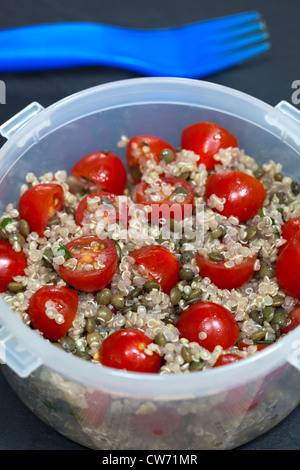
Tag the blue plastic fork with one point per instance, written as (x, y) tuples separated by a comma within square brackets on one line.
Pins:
[(191, 51)]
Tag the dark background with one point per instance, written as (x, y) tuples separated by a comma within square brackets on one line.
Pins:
[(268, 77)]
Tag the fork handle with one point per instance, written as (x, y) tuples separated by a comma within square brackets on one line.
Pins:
[(51, 46)]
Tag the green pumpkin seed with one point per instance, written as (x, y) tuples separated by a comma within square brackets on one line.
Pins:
[(267, 270), (160, 339), (150, 285), (175, 296), (186, 274), (186, 354), (219, 232), (14, 287), (24, 227), (250, 233)]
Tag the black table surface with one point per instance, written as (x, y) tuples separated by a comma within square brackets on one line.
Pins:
[(268, 77)]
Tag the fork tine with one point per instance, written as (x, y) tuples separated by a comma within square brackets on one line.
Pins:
[(233, 44), (218, 63), (218, 36), (216, 24)]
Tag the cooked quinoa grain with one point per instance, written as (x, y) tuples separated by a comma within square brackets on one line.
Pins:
[(133, 298)]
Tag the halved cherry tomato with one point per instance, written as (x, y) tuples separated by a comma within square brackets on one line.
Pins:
[(294, 316), (206, 139), (208, 324), (223, 277), (177, 205), (52, 310), (124, 349), (244, 194), (158, 263), (12, 263), (96, 263), (225, 359), (288, 268), (142, 148), (39, 204), (104, 169), (112, 210)]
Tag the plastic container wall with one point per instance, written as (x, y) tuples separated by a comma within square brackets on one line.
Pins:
[(109, 409)]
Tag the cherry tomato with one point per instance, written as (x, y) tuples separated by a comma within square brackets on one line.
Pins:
[(163, 421), (12, 263), (206, 139), (177, 205), (124, 349), (223, 277), (208, 324), (142, 148), (101, 258), (225, 359), (159, 264), (290, 230), (294, 316), (104, 169), (39, 204), (288, 268), (112, 210), (52, 310), (244, 194)]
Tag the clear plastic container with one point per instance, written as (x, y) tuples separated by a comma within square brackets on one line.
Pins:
[(103, 408)]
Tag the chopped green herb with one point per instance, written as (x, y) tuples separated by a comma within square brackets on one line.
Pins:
[(119, 250), (5, 222), (276, 231), (67, 254), (280, 209)]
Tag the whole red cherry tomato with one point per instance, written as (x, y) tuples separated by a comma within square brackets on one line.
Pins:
[(112, 210), (52, 310), (159, 264), (101, 258), (142, 148), (288, 268), (225, 359), (294, 317), (206, 139), (12, 263), (223, 277), (208, 324), (104, 169), (124, 349), (244, 195), (177, 205), (39, 204)]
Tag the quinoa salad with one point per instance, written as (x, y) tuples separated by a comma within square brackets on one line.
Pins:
[(99, 269)]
